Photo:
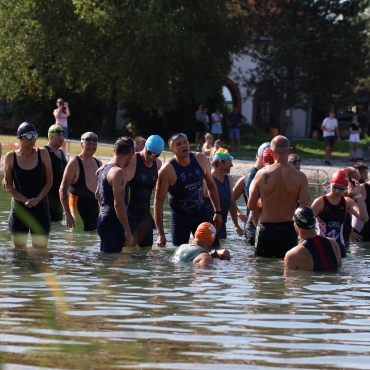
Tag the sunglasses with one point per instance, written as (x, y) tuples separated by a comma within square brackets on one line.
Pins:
[(89, 139), (153, 154), (335, 186), (30, 136), (295, 161), (56, 132)]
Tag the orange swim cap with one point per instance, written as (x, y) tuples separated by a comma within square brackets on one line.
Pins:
[(206, 232), (340, 178)]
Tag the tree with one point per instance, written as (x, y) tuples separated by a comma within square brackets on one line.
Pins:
[(311, 51), (157, 55)]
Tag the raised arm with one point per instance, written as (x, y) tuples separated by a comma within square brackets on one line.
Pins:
[(160, 196)]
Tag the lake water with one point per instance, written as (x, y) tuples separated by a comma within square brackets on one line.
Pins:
[(76, 309)]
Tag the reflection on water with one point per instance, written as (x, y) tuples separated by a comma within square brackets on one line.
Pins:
[(73, 308)]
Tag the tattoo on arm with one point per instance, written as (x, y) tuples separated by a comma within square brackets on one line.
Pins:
[(64, 190), (158, 187), (308, 255), (266, 176)]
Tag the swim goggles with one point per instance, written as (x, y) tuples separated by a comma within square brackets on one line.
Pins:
[(30, 136), (89, 139), (174, 137), (56, 132), (152, 153), (335, 186), (296, 160)]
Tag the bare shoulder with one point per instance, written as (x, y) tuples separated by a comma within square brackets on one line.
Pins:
[(203, 259), (72, 165), (9, 157), (44, 154), (201, 158)]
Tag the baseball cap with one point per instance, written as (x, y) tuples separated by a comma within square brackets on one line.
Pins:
[(305, 218), (155, 144), (340, 178), (206, 232), (262, 148), (24, 128)]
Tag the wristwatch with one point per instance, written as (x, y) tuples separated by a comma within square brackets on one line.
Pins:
[(218, 213), (213, 253)]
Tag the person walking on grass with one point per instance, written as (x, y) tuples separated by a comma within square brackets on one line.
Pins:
[(330, 129)]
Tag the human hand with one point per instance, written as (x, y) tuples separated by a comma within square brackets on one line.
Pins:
[(161, 240), (223, 254), (33, 202), (4, 183), (243, 217), (70, 220), (354, 236), (66, 104), (354, 185), (238, 230), (129, 239), (217, 221)]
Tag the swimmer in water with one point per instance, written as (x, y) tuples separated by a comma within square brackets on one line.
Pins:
[(198, 252), (330, 209), (314, 253), (280, 187)]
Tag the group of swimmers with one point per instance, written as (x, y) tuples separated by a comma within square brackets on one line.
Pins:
[(115, 199)]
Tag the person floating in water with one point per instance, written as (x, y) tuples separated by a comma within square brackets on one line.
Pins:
[(314, 253), (199, 251), (28, 178), (280, 187), (82, 209)]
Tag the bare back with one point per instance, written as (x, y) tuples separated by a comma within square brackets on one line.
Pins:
[(280, 187)]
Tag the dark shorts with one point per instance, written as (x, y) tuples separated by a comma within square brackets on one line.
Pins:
[(111, 232), (250, 232), (182, 225), (329, 141), (274, 239), (141, 226), (56, 209), (199, 127), (35, 220)]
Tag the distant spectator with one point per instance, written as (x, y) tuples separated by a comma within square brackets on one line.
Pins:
[(295, 161), (363, 169), (235, 120), (61, 114), (330, 128), (354, 138), (206, 122), (200, 121), (208, 145), (216, 129), (217, 145), (139, 144)]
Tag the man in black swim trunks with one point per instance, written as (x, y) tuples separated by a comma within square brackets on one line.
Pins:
[(82, 209), (314, 253), (182, 177), (58, 164), (280, 187)]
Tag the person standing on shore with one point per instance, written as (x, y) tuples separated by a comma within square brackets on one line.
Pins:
[(58, 164), (280, 187), (235, 120), (216, 129), (61, 114), (329, 128), (200, 121), (354, 138)]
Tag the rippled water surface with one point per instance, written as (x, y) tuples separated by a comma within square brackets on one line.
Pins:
[(73, 308)]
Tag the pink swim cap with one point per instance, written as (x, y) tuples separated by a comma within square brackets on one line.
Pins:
[(339, 178)]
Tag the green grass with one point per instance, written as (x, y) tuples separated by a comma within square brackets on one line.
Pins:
[(251, 139)]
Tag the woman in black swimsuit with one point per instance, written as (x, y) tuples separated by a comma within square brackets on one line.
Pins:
[(28, 178)]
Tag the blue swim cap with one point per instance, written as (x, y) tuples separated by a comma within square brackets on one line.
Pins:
[(155, 144)]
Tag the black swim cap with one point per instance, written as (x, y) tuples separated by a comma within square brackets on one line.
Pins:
[(24, 128), (305, 218)]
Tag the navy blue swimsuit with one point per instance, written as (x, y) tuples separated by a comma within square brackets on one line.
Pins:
[(186, 200), (110, 229)]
